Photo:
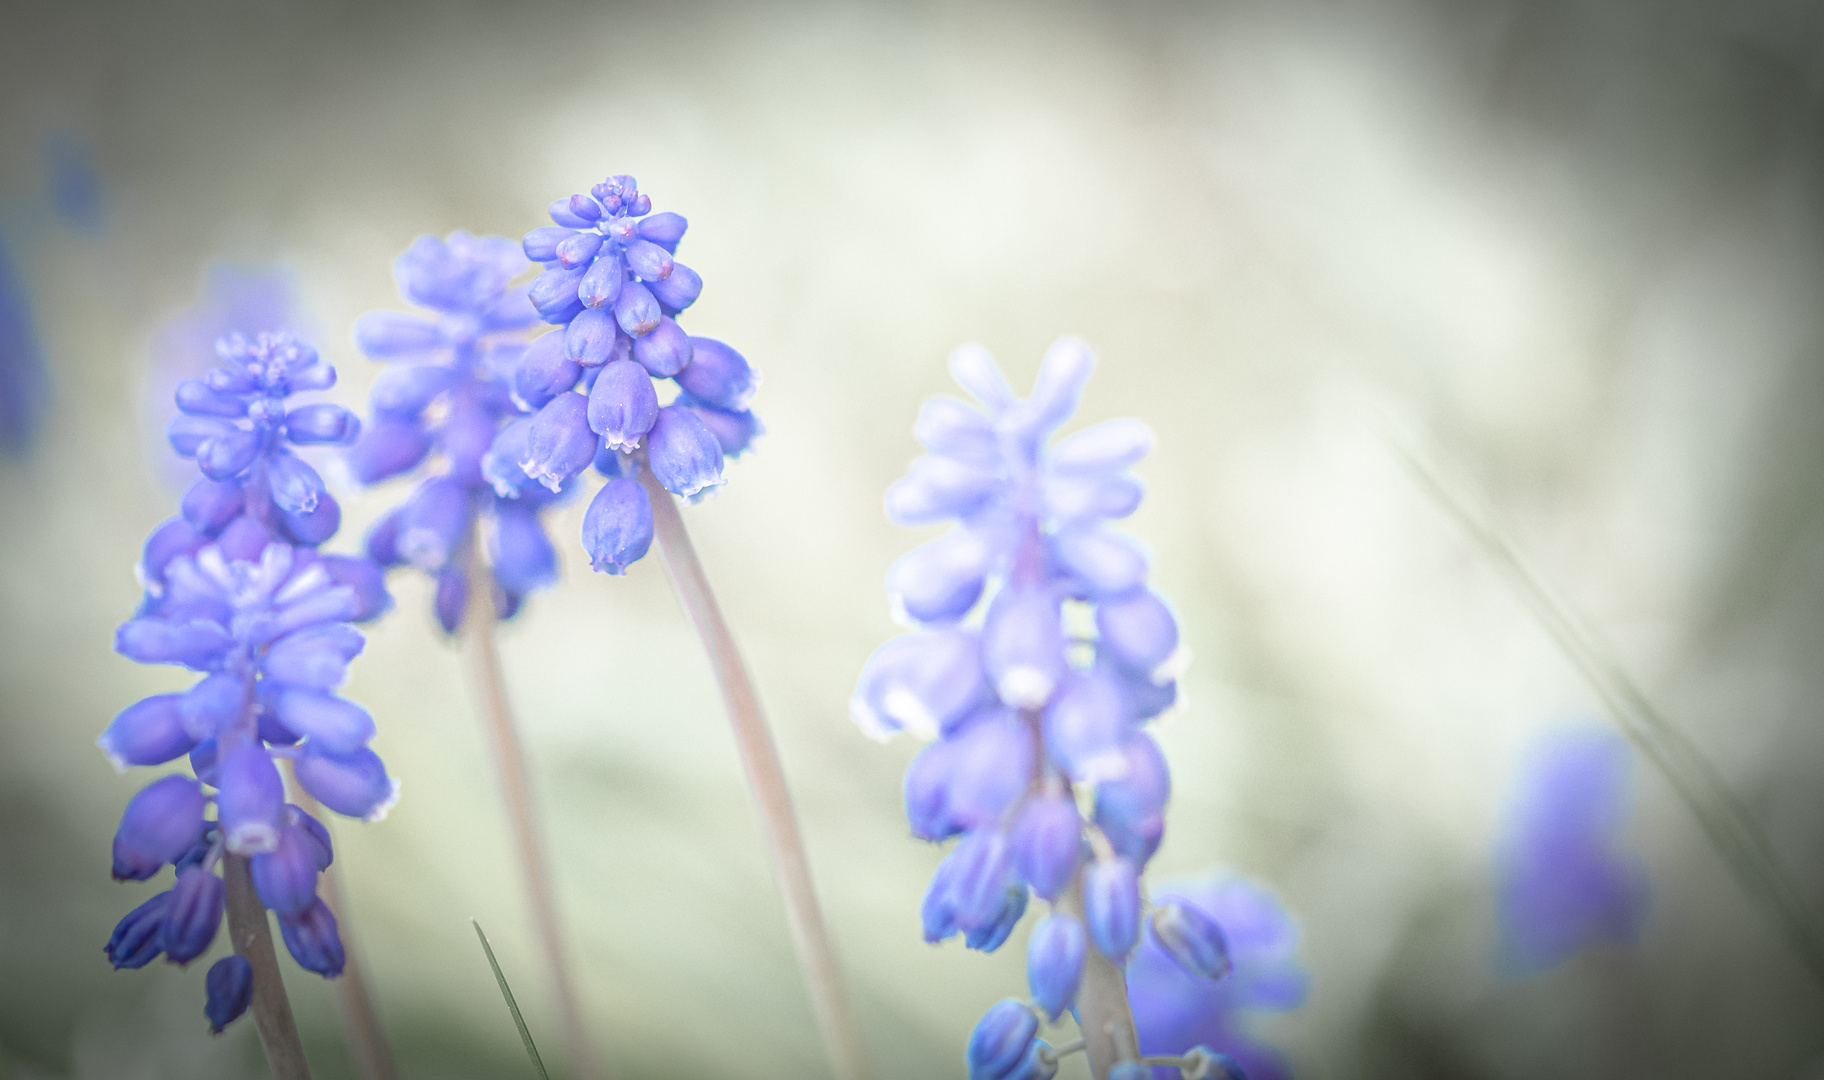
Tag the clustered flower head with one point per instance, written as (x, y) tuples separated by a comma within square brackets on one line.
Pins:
[(612, 285), (1037, 657), (445, 395), (237, 592)]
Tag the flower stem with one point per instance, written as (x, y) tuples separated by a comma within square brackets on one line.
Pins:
[(766, 777), (1103, 1015), (251, 933), (478, 629), (360, 1021)]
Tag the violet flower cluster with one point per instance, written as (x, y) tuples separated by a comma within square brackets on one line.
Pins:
[(1042, 700), (612, 285), (1565, 879), (445, 395), (236, 591)]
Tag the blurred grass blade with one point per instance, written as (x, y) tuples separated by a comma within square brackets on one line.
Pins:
[(1732, 830), (512, 1006)]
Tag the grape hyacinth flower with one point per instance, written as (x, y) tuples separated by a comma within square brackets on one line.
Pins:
[(1038, 653), (1177, 1009), (612, 285), (237, 592), (446, 394), (1564, 879)]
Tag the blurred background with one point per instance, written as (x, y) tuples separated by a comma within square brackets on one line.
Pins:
[(1575, 246)]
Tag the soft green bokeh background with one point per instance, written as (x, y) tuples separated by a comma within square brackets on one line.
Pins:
[(1578, 244)]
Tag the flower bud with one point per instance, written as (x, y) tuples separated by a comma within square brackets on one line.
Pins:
[(1106, 563), (197, 399), (937, 489), (1054, 962), (1046, 843), (188, 434), (286, 877), (139, 938), (927, 792), (617, 527), (683, 455), (365, 579), (559, 444), (540, 245), (434, 523), (402, 391), (158, 825), (718, 376), (601, 286), (211, 504), (148, 732), (665, 350), (195, 914), (388, 448), (980, 879), (229, 986), (590, 338), (295, 485), (1085, 724), (354, 785), (664, 229), (948, 427), (1023, 645), (322, 850), (1090, 498), (924, 682), (1191, 938), (649, 260), (227, 455), (560, 213), (975, 371), (622, 405), (519, 552), (314, 526), (1111, 907), (1066, 367), (500, 465), (578, 249), (382, 335), (245, 540), (1110, 446), (993, 934), (545, 370), (312, 940), (309, 425), (173, 539), (941, 580), (451, 599), (679, 290), (1001, 1040), (554, 295), (635, 309), (249, 800)]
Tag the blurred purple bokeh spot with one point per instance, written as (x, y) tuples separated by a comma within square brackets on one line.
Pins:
[(24, 383), (1564, 878), (1175, 1010)]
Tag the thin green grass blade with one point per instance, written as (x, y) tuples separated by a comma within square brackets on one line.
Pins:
[(512, 1006)]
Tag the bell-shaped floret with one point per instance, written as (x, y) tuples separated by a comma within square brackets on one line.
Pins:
[(734, 431), (173, 539), (333, 724), (211, 504), (927, 792), (286, 877), (388, 448), (665, 351), (364, 578), (992, 768), (1054, 962), (1138, 632), (937, 914), (313, 526), (1023, 645), (939, 488), (250, 800), (679, 290), (981, 878), (159, 824), (295, 485), (215, 703), (520, 553), (589, 339), (321, 424), (924, 682), (148, 732), (1107, 563), (1046, 843), (450, 599), (354, 785), (434, 523), (228, 455), (617, 526), (1130, 810), (559, 443), (1085, 725), (684, 456), (622, 405), (993, 934), (941, 580), (718, 376), (544, 371)]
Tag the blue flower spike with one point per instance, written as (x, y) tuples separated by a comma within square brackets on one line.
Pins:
[(237, 592)]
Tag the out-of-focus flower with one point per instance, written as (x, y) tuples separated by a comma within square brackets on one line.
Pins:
[(1175, 1010), (1027, 707), (1565, 879), (446, 394), (24, 382), (74, 182), (611, 283), (236, 591)]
